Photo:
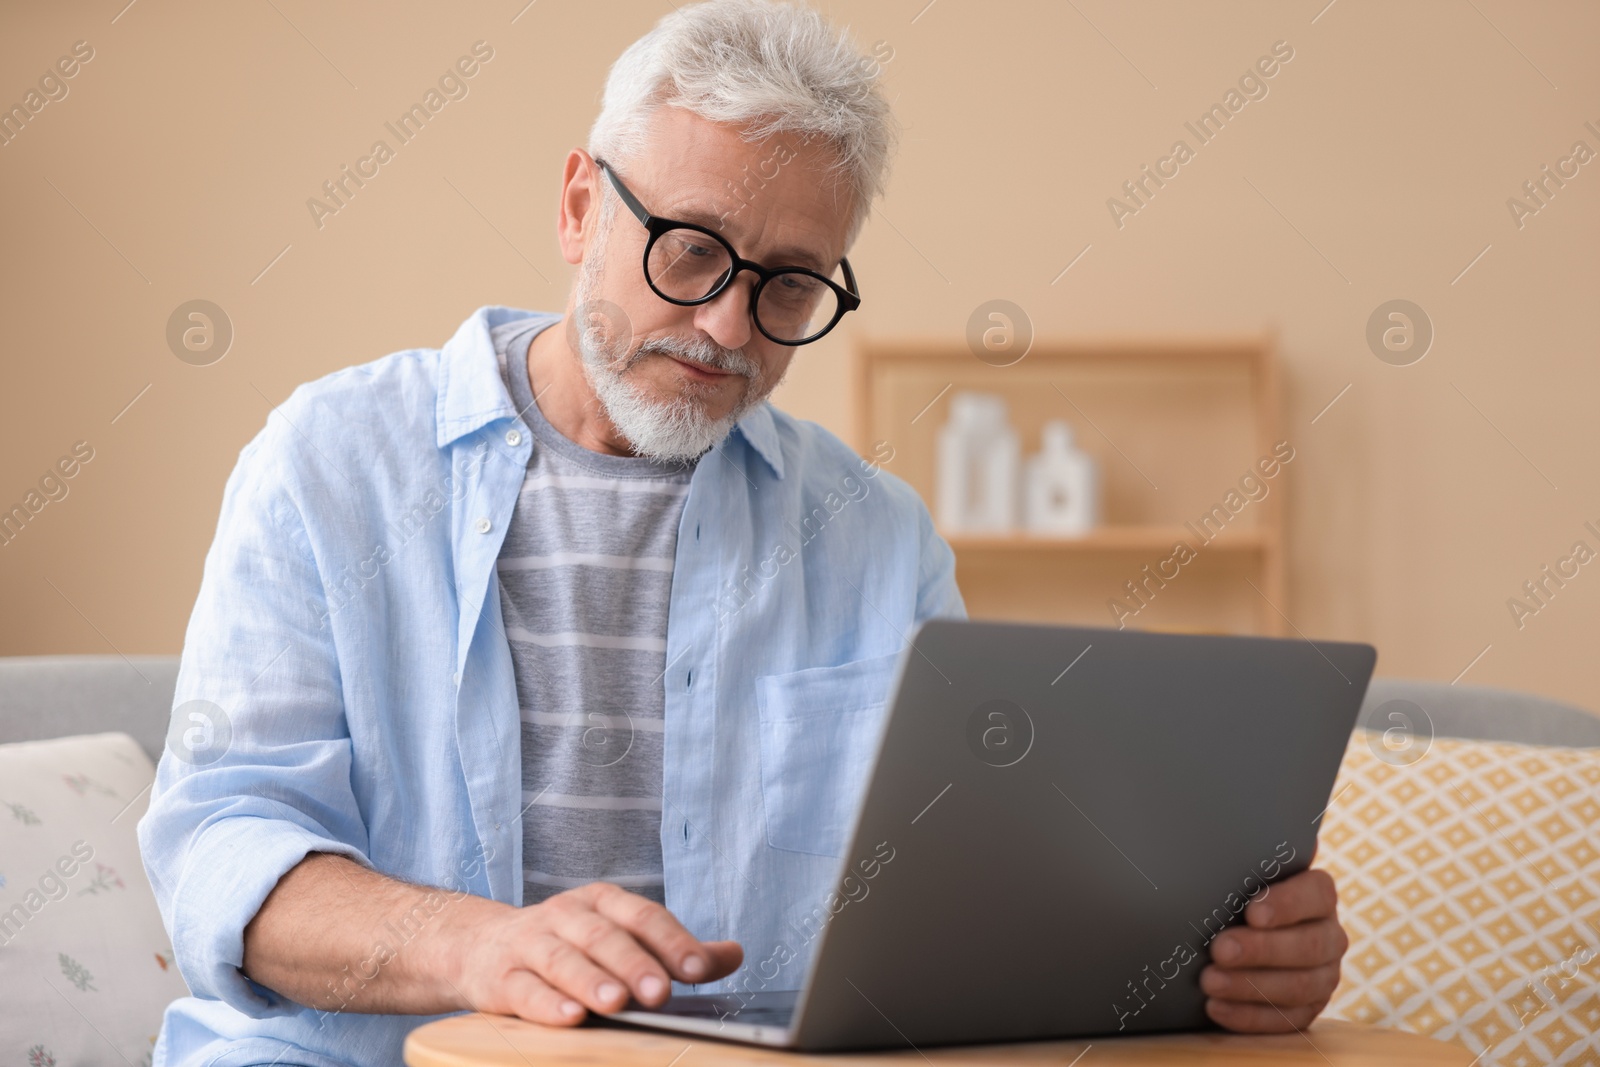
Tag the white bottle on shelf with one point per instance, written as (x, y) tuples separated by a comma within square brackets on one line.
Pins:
[(1062, 485), (978, 466)]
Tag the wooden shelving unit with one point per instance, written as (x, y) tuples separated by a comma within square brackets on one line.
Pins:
[(1174, 424)]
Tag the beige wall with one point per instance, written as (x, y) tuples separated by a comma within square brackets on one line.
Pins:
[(1378, 166)]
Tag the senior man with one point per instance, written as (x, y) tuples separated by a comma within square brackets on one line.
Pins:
[(483, 702)]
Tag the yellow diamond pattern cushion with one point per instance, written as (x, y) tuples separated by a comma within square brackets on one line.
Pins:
[(1469, 882)]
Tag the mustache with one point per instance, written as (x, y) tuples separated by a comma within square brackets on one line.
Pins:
[(701, 351)]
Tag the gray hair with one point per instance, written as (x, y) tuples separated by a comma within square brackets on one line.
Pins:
[(765, 67)]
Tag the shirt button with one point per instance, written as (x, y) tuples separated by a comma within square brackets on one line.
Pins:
[(513, 438), (456, 677), (483, 525)]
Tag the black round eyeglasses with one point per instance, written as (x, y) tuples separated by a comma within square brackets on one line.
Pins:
[(688, 264)]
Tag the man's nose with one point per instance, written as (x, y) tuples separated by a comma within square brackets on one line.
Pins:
[(727, 318)]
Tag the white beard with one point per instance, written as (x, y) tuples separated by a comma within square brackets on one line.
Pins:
[(674, 430)]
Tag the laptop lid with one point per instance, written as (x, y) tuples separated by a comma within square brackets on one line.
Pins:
[(1069, 815)]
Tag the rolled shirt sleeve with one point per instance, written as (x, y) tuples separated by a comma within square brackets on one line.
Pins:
[(256, 770)]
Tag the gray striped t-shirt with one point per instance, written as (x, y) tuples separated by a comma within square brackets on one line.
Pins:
[(585, 579)]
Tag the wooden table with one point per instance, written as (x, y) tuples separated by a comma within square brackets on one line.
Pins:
[(501, 1041)]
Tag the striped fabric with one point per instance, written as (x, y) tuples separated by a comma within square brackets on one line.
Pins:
[(585, 578)]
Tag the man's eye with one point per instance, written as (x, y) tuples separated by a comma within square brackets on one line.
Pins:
[(694, 249)]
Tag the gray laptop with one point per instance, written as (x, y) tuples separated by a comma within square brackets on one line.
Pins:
[(1070, 815)]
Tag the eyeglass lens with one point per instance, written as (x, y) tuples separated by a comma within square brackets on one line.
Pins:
[(687, 265)]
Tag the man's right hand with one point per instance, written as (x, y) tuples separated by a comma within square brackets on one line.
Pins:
[(324, 938), (582, 950)]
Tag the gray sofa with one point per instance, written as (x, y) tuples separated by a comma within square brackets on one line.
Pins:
[(58, 696)]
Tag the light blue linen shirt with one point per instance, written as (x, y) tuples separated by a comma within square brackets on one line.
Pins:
[(346, 684)]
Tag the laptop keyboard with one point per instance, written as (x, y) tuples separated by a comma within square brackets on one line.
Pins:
[(765, 1009)]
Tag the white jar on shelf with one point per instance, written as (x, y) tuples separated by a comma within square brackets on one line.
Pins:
[(978, 466), (1061, 485)]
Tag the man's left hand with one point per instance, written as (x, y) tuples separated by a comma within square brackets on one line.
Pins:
[(1277, 971)]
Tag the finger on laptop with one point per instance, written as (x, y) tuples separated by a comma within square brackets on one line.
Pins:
[(623, 963), (558, 958), (685, 957), (726, 956), (534, 999), (1260, 1018), (1283, 987), (628, 935), (1308, 895), (1307, 944)]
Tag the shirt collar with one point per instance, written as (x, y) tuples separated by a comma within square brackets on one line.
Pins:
[(472, 393), (760, 431)]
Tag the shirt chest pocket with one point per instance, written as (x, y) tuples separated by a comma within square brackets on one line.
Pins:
[(819, 734)]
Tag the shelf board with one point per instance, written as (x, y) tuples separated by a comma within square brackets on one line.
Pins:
[(1110, 539)]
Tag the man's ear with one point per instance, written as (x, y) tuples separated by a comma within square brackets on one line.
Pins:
[(578, 212)]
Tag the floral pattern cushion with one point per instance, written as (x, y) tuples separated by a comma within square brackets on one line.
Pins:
[(86, 969)]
